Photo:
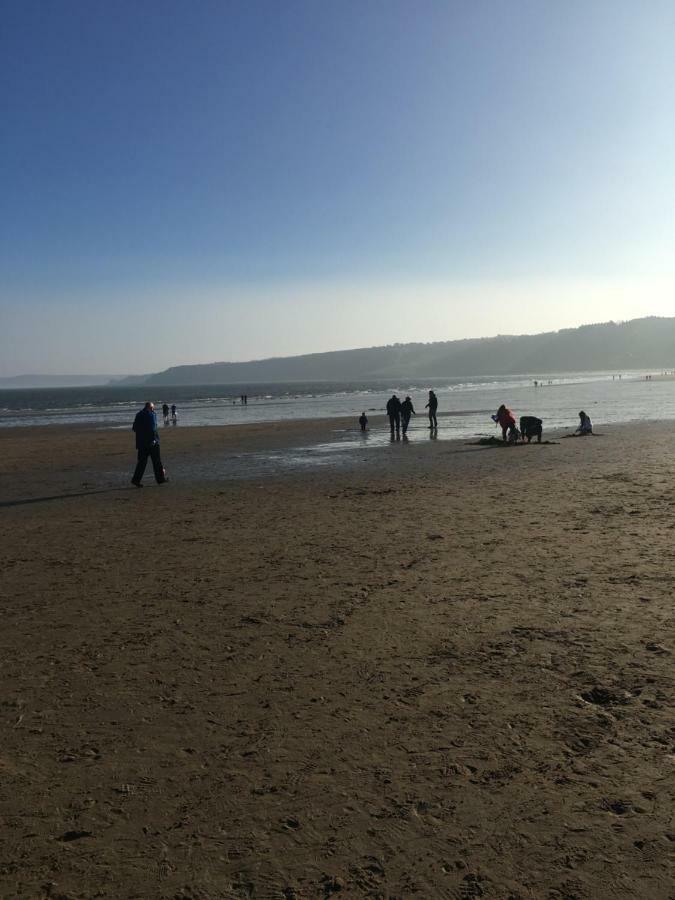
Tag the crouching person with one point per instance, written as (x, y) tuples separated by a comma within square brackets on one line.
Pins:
[(531, 426)]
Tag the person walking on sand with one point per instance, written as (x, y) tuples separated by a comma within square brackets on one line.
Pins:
[(174, 417), (165, 413), (363, 421), (432, 406), (394, 413), (147, 445), (406, 411)]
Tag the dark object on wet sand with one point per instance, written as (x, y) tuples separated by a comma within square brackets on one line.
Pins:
[(497, 442)]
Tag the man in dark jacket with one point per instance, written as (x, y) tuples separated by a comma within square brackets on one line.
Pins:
[(407, 410), (394, 413), (147, 444)]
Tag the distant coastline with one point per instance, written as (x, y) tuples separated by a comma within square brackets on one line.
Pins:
[(647, 344)]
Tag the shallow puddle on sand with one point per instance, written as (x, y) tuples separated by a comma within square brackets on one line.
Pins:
[(338, 453)]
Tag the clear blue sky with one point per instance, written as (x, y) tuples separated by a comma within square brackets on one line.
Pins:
[(196, 181)]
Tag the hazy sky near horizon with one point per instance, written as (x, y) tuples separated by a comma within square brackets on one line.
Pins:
[(189, 182)]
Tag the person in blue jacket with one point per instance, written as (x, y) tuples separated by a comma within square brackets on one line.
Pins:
[(147, 444)]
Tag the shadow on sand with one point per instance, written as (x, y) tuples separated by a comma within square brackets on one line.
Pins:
[(4, 504)]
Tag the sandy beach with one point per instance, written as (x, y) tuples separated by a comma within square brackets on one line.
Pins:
[(438, 671)]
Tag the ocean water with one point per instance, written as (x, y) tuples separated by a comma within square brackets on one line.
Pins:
[(464, 408)]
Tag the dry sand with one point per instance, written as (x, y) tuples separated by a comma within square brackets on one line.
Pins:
[(445, 672)]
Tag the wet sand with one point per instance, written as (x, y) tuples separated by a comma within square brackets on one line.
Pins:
[(440, 671)]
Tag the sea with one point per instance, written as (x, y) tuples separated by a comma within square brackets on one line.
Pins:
[(465, 405)]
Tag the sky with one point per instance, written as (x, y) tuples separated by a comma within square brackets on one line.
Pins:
[(208, 180)]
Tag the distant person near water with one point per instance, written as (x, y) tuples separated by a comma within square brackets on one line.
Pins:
[(406, 411), (165, 413), (585, 424), (432, 406), (147, 444), (363, 421), (394, 413), (174, 417), (531, 426), (507, 421)]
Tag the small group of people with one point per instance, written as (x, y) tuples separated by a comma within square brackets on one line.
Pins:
[(165, 413), (400, 412), (531, 426)]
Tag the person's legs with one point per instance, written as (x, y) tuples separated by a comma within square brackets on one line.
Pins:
[(157, 466), (435, 419), (404, 422), (391, 424), (140, 466), (397, 420)]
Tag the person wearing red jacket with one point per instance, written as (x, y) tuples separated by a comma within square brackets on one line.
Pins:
[(506, 419)]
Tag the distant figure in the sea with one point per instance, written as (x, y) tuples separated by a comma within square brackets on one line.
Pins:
[(531, 426), (407, 410), (147, 445), (363, 421), (165, 413), (174, 417), (507, 421), (585, 424), (432, 406), (394, 413)]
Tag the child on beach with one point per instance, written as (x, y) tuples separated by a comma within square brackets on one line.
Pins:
[(363, 421)]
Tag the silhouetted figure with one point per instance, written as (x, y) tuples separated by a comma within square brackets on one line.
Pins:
[(165, 413), (432, 406), (585, 424), (174, 417), (147, 444), (507, 421), (531, 426), (363, 421), (394, 413), (406, 411)]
